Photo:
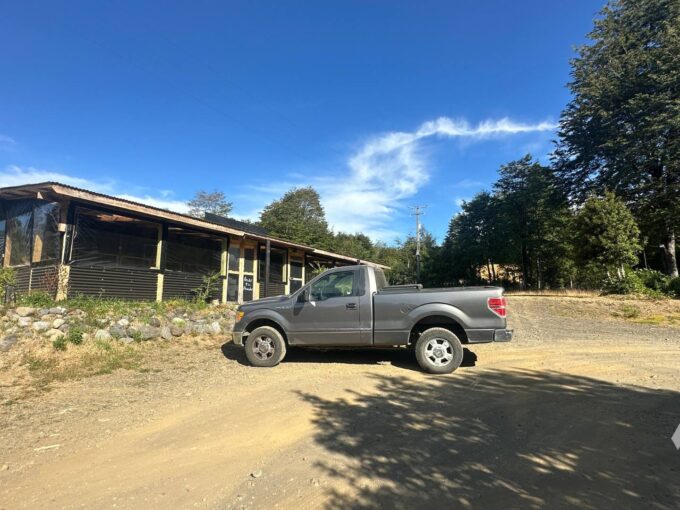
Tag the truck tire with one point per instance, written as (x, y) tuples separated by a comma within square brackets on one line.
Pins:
[(439, 351), (265, 347)]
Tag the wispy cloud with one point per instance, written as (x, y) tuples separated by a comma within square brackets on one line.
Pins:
[(7, 142), (15, 176), (391, 167), (468, 183)]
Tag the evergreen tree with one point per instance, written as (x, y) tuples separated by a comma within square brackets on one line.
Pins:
[(204, 202), (621, 131), (606, 234), (299, 217)]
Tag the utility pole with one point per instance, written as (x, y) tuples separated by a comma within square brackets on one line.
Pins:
[(418, 211)]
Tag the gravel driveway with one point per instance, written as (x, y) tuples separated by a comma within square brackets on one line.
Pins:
[(575, 412)]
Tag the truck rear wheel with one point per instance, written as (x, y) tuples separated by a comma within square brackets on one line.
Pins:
[(439, 351), (265, 347)]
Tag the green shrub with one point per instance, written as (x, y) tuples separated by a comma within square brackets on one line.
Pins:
[(631, 283), (75, 335), (673, 287), (36, 299), (653, 280), (7, 277), (60, 344)]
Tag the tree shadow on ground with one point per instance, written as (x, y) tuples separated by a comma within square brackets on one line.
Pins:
[(399, 357), (498, 439)]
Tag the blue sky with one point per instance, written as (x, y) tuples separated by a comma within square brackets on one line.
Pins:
[(378, 105)]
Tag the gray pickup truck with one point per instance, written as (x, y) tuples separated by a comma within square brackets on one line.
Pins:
[(354, 307)]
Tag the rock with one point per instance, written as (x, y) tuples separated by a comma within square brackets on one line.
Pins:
[(40, 326), (314, 482), (118, 331), (123, 323), (102, 334), (58, 310), (214, 328), (4, 467), (176, 330), (178, 321), (256, 474), (199, 329), (64, 328), (54, 334), (24, 322), (102, 322), (43, 311), (155, 322), (25, 311), (166, 334), (57, 323), (7, 342), (126, 340), (147, 332)]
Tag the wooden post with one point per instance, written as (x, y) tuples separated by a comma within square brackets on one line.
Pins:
[(224, 259), (267, 255), (160, 260)]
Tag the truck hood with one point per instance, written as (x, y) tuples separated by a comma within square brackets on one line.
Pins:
[(264, 301)]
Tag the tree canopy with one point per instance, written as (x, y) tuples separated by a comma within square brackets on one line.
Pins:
[(214, 202), (621, 130), (299, 217)]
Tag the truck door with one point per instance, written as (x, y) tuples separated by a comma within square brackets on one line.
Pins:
[(329, 312)]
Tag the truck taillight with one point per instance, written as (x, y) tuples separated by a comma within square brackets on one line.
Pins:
[(498, 305)]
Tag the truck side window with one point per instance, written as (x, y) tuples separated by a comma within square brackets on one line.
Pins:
[(337, 284)]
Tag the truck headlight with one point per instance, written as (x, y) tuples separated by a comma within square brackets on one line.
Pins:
[(239, 315)]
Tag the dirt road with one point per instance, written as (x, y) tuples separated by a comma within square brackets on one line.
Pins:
[(572, 413)]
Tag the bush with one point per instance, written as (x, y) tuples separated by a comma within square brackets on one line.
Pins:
[(673, 287), (75, 335), (653, 280), (631, 283), (37, 299)]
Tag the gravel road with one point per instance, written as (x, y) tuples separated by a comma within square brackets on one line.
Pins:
[(575, 412)]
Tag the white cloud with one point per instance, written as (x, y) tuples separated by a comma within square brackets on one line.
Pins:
[(468, 183), (163, 203), (391, 167), (7, 141)]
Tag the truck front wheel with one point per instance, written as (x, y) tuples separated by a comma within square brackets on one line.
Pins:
[(265, 347), (439, 351)]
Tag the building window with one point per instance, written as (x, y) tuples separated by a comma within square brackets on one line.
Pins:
[(232, 287), (296, 267), (31, 231), (278, 258), (114, 240), (193, 252)]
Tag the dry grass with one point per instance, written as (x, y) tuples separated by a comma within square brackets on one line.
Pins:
[(641, 310), (83, 361)]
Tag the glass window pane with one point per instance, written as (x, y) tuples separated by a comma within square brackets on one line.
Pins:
[(46, 238), (234, 256), (232, 287), (248, 260), (337, 284), (296, 268), (193, 252), (19, 226), (109, 239), (277, 264)]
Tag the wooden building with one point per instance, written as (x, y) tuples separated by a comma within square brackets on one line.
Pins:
[(68, 241)]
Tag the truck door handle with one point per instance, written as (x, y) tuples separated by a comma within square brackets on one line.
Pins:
[(351, 306)]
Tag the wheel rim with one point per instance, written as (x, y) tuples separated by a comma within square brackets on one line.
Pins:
[(439, 352), (263, 347)]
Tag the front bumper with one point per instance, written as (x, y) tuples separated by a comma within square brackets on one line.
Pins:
[(502, 335), (237, 337)]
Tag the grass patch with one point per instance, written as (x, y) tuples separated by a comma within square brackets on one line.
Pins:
[(96, 359), (629, 311)]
